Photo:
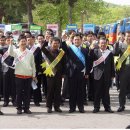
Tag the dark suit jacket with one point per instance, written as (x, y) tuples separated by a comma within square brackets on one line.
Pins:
[(9, 60), (107, 68), (119, 49), (74, 63), (38, 60)]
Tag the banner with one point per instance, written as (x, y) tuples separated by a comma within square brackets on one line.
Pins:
[(55, 28), (16, 30), (2, 27), (88, 27), (71, 27), (35, 30)]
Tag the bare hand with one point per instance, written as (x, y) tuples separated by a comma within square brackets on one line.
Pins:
[(64, 37)]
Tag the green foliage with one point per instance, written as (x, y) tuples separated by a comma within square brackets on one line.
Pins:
[(57, 11)]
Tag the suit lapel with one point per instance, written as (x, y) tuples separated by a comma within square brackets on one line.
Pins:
[(99, 53), (83, 51)]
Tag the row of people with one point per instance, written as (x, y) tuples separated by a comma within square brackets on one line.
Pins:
[(80, 61)]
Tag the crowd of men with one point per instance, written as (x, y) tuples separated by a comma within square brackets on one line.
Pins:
[(37, 65)]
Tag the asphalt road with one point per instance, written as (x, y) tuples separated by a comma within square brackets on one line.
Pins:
[(41, 119)]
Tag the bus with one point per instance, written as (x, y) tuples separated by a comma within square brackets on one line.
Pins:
[(112, 33), (127, 24), (106, 30)]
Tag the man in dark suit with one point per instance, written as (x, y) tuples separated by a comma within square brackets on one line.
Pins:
[(38, 61), (103, 70), (42, 78), (54, 82), (78, 70), (9, 88), (124, 71), (1, 77)]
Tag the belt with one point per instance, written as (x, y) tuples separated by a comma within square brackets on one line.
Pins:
[(23, 76)]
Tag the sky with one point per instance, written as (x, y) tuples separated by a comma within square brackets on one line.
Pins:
[(119, 2)]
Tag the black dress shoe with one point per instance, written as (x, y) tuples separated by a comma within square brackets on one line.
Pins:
[(82, 111), (120, 109), (27, 111), (37, 104), (109, 110), (5, 104), (49, 110), (1, 113), (71, 111), (95, 110), (58, 110), (19, 111)]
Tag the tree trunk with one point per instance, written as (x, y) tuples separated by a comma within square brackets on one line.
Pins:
[(1, 14), (60, 24), (29, 11), (70, 14), (60, 28)]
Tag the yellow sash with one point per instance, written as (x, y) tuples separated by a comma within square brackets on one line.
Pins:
[(51, 66), (84, 45), (123, 57)]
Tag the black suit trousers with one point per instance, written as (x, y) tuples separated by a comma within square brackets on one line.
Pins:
[(76, 91), (9, 88), (23, 90), (124, 78), (54, 85), (101, 90)]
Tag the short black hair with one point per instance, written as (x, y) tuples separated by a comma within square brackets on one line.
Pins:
[(28, 32), (49, 30), (71, 31), (21, 37), (56, 39), (88, 33), (8, 33), (78, 35), (101, 34), (1, 37), (40, 35), (30, 36), (8, 37)]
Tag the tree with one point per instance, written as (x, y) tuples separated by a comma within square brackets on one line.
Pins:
[(29, 11), (52, 12)]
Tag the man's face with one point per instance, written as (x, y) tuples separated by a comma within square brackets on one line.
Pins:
[(77, 41), (127, 38), (47, 37), (55, 45), (8, 41), (2, 41), (40, 39), (29, 41), (90, 38), (121, 37), (84, 38), (102, 44)]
